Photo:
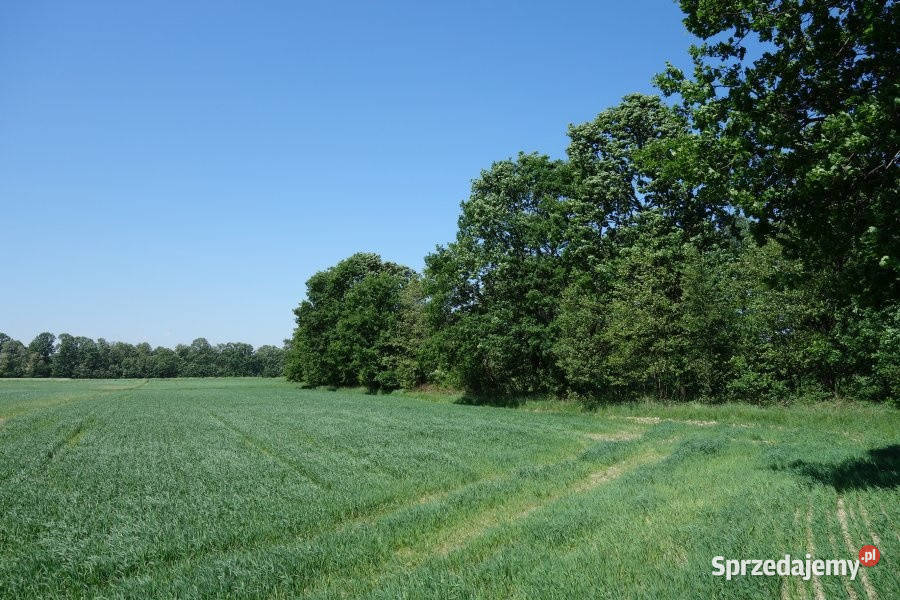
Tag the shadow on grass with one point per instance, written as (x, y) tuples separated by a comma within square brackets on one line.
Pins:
[(490, 400), (880, 469)]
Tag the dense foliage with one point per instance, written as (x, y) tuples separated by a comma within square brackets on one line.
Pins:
[(361, 324), (742, 243), (493, 292), (84, 358)]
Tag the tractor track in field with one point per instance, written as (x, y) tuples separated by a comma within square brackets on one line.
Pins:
[(74, 437), (853, 548), (71, 439), (788, 584), (124, 388), (366, 518), (68, 440), (89, 395), (887, 518), (840, 539), (141, 490), (811, 548), (851, 593), (618, 436), (301, 470), (463, 534), (334, 448), (58, 447), (694, 422), (593, 480), (873, 535), (51, 404)]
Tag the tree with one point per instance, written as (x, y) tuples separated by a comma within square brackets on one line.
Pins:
[(269, 361), (82, 357), (66, 359), (348, 326), (494, 291), (41, 351), (624, 339), (165, 363), (612, 186), (199, 359), (122, 358), (234, 359), (13, 358), (795, 106), (86, 357), (103, 367)]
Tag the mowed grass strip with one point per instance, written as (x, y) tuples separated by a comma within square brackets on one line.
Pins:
[(256, 488)]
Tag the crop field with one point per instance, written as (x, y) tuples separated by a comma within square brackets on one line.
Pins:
[(257, 488)]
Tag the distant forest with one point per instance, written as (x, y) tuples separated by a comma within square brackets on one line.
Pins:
[(82, 357), (738, 241)]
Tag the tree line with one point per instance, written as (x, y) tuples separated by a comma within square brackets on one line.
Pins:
[(739, 240), (84, 358)]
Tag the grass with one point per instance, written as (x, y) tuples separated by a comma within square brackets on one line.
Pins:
[(256, 488)]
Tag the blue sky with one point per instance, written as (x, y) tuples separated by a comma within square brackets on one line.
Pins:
[(171, 170)]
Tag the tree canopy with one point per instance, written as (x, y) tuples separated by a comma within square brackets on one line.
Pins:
[(353, 327), (84, 358), (739, 242)]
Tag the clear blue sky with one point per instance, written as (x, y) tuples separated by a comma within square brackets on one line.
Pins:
[(170, 170)]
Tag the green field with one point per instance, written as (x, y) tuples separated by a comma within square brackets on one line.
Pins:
[(257, 488)]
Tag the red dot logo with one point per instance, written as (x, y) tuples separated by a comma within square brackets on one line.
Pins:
[(869, 555)]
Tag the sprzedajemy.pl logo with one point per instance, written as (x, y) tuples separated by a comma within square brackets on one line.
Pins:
[(795, 567)]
